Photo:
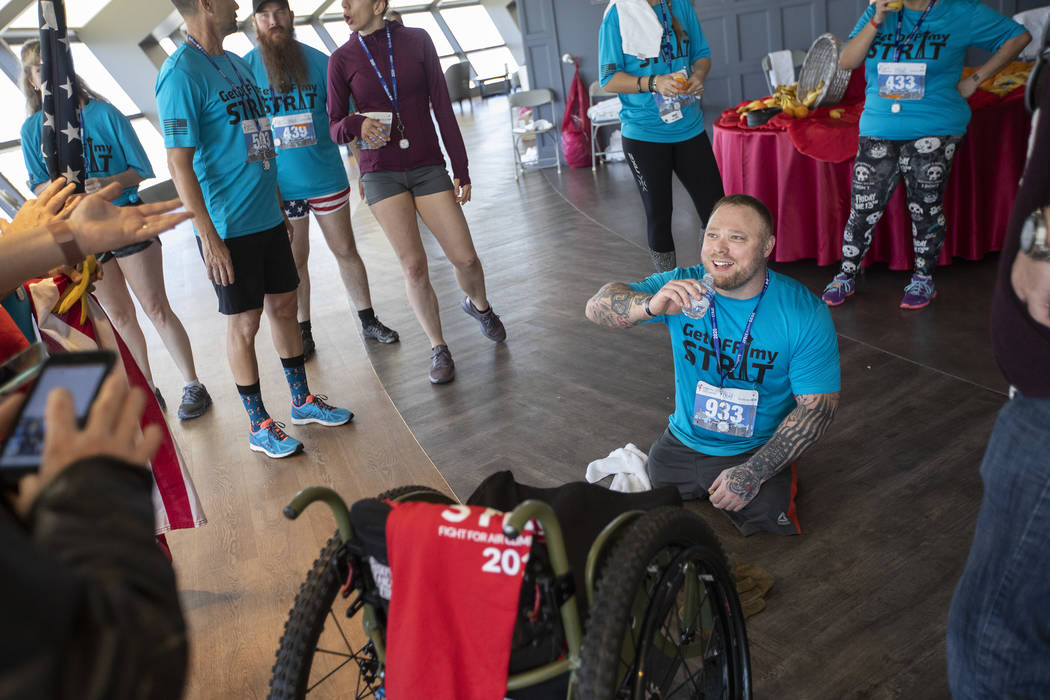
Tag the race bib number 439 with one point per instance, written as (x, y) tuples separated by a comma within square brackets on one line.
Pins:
[(293, 130)]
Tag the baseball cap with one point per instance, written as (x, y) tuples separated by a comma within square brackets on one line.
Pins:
[(256, 4)]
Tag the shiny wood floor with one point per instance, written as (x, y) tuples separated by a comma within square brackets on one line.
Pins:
[(887, 499)]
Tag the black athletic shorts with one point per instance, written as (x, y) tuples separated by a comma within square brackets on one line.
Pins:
[(773, 510), (262, 264)]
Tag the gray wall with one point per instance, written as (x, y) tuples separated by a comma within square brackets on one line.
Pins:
[(740, 33)]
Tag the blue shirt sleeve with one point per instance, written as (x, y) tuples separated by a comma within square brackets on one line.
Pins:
[(989, 29), (815, 363), (129, 143), (31, 154), (864, 19), (610, 51), (697, 40), (178, 105)]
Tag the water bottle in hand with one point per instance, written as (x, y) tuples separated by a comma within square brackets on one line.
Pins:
[(705, 291)]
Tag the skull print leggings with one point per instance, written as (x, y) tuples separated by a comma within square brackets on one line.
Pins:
[(925, 164)]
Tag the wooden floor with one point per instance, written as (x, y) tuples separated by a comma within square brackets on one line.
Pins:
[(887, 499)]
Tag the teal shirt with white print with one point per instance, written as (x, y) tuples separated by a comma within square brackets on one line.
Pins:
[(304, 172), (198, 108), (793, 351), (941, 43), (639, 115)]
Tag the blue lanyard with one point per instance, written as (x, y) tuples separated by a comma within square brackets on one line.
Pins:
[(392, 96), (245, 85), (666, 46), (743, 341), (898, 47)]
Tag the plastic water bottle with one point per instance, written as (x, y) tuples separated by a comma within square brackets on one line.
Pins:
[(706, 288)]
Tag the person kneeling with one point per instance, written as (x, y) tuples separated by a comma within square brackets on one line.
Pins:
[(756, 375)]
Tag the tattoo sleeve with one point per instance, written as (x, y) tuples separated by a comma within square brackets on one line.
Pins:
[(797, 432), (618, 306)]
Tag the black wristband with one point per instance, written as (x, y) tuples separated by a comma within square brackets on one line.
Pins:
[(652, 82), (651, 314)]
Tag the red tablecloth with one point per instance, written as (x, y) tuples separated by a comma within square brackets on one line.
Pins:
[(809, 198)]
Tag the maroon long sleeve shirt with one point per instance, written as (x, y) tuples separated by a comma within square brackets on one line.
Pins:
[(420, 87)]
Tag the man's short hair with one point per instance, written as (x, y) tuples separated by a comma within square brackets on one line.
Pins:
[(752, 203), (186, 8)]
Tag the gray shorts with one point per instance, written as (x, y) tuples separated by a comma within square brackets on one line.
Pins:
[(773, 510), (430, 179)]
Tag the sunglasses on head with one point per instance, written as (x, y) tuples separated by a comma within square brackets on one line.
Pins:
[(1034, 87)]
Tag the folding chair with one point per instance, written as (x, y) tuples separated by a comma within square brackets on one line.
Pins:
[(533, 99)]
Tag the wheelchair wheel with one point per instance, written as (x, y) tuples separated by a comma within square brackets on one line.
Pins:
[(320, 654), (666, 622)]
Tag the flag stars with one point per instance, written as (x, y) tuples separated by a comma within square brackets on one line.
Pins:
[(68, 87), (72, 132), (49, 120), (44, 92), (71, 175)]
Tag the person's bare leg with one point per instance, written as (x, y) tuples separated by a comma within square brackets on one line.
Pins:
[(112, 292), (241, 330), (397, 217), (339, 234), (301, 254), (284, 329), (444, 217), (144, 272)]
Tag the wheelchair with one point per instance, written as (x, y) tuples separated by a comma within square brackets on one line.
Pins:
[(638, 602)]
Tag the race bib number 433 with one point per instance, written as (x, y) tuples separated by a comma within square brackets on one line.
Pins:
[(902, 81)]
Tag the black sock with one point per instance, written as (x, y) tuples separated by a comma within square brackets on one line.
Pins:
[(304, 327), (366, 315)]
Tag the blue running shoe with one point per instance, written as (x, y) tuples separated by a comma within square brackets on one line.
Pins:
[(315, 410), (273, 441)]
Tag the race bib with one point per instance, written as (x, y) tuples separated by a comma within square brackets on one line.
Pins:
[(902, 81), (293, 130), (725, 410), (258, 140)]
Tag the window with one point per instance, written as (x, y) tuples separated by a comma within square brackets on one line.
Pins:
[(153, 143), (308, 35), (168, 45), (401, 4), (426, 21), (90, 70), (304, 8), (472, 27), (14, 169), (78, 13), (492, 62), (12, 117), (238, 43), (338, 30)]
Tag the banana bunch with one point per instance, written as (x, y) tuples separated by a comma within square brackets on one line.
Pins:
[(786, 98)]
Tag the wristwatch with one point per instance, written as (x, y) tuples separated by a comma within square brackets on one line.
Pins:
[(1034, 242)]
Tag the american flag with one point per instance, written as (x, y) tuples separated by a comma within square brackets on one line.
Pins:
[(61, 141)]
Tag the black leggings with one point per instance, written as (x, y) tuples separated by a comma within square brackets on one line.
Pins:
[(924, 163), (652, 163)]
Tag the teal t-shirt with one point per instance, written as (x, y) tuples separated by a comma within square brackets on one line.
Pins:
[(639, 115), (941, 42), (305, 171), (111, 147), (199, 109), (793, 351)]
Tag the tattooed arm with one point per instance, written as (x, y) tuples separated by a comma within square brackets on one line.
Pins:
[(737, 486), (616, 305)]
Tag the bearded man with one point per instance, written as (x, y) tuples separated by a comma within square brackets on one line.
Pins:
[(310, 168), (756, 377)]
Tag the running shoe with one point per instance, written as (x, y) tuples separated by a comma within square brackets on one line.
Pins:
[(271, 440), (841, 286), (442, 368), (195, 401), (491, 326), (374, 329), (919, 292), (315, 410)]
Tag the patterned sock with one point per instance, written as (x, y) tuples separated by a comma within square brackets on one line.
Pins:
[(253, 404), (295, 375), (663, 261), (366, 315)]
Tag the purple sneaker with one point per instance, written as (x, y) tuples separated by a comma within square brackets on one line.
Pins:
[(841, 287), (919, 292)]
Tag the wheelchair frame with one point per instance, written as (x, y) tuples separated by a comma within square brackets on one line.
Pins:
[(514, 522)]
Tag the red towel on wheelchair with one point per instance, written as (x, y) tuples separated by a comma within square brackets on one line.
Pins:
[(453, 602)]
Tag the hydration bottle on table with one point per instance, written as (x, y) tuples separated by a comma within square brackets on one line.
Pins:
[(706, 290)]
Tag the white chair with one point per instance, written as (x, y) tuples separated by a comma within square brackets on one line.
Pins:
[(1035, 21), (597, 94), (533, 99), (798, 57)]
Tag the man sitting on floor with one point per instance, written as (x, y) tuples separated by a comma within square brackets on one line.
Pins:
[(756, 378)]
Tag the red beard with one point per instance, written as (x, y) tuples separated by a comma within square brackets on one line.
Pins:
[(284, 60)]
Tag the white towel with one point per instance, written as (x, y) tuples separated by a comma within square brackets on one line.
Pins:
[(1035, 21), (782, 68), (606, 110), (641, 31), (627, 467)]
